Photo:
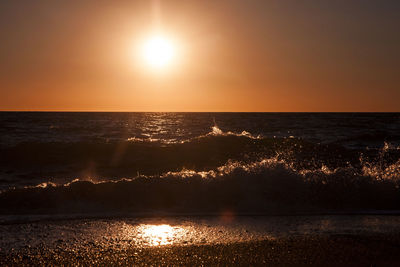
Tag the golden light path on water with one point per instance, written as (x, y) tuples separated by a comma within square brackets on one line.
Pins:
[(165, 232), (150, 235), (158, 235)]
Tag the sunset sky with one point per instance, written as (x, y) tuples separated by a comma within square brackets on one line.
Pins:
[(228, 55)]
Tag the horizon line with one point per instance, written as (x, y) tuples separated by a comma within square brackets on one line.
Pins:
[(127, 111)]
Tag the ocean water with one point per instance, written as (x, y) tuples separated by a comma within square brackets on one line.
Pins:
[(198, 163)]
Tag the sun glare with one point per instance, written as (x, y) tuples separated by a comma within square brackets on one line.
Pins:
[(158, 51), (157, 235)]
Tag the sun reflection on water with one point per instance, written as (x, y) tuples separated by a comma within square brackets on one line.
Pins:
[(159, 235)]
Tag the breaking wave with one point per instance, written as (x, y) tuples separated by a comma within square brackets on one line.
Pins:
[(266, 186), (215, 131), (216, 172)]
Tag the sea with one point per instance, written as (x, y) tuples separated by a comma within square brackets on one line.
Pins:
[(105, 163)]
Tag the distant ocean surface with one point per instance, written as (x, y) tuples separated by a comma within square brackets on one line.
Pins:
[(91, 163)]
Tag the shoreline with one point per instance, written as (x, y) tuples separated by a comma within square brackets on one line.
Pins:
[(334, 250), (33, 218), (244, 240)]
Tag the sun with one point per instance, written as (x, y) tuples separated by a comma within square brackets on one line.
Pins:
[(158, 51)]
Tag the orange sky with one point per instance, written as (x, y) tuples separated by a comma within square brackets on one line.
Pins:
[(233, 56)]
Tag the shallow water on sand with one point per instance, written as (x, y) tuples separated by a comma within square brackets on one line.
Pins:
[(72, 235)]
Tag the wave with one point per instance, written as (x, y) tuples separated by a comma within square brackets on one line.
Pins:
[(216, 172), (215, 131), (266, 186), (56, 161)]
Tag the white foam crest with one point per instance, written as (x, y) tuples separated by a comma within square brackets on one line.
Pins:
[(378, 169), (146, 140), (216, 131), (325, 170), (385, 173), (388, 146), (42, 185), (229, 168), (375, 170)]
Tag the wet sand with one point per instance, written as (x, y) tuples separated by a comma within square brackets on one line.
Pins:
[(310, 250), (292, 240)]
